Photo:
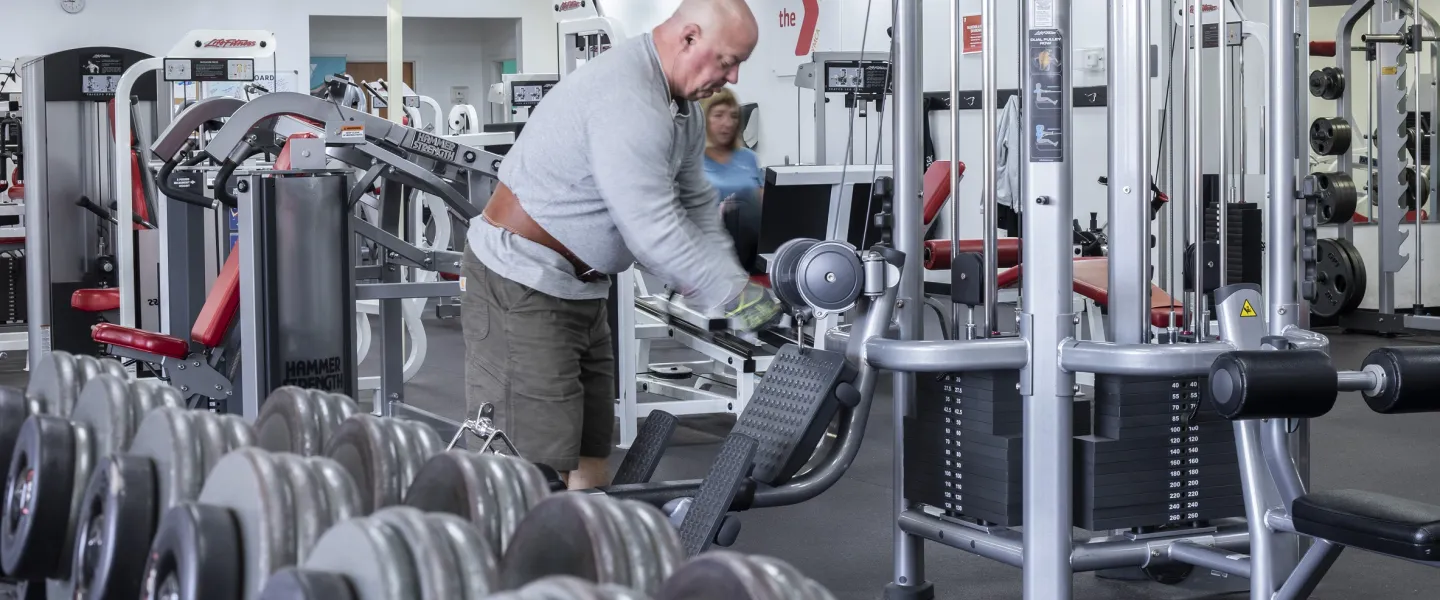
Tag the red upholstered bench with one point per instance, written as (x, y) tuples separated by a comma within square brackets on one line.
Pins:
[(96, 300), (1092, 280)]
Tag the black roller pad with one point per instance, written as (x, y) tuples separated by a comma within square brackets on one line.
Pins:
[(1156, 496), (1412, 377), (791, 409)]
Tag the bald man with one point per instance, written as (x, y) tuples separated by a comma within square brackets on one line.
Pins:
[(607, 173)]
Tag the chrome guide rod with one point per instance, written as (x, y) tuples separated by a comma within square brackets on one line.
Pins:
[(1419, 188), (1282, 307), (1195, 153), (1222, 212), (989, 105), (1048, 315), (909, 557), (957, 26), (1129, 177)]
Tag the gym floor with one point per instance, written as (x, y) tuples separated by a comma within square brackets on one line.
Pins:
[(843, 538)]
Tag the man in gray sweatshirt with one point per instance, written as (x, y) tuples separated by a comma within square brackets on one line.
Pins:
[(607, 173)]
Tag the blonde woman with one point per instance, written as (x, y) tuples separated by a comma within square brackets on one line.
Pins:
[(734, 170)]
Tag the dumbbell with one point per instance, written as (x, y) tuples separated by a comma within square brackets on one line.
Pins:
[(492, 491), (171, 454), (382, 455), (725, 575), (301, 421), (52, 461), (565, 587), (259, 512), (608, 541), (55, 383)]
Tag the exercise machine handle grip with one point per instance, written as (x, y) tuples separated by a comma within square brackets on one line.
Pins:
[(1273, 384), (162, 181)]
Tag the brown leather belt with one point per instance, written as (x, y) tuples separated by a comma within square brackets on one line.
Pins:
[(504, 211)]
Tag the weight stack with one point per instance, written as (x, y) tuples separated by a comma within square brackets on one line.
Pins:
[(1161, 456), (963, 446), (1242, 242), (12, 291)]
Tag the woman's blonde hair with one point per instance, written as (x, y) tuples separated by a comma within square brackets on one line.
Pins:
[(723, 97)]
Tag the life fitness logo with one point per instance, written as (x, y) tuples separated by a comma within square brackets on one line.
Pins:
[(806, 21), (229, 43), (1203, 8), (569, 5)]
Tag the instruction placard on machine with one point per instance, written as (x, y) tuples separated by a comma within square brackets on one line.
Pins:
[(1047, 95), (100, 73), (209, 69)]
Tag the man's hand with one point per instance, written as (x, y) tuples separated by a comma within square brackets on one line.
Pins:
[(755, 308)]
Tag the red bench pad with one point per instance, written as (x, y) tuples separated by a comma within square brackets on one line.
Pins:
[(937, 252), (1091, 280), (937, 188), (221, 305), (96, 300), (144, 341)]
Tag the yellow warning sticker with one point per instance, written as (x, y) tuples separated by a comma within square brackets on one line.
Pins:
[(1247, 310), (1389, 70)]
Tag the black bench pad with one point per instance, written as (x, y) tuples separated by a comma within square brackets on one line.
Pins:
[(1370, 521)]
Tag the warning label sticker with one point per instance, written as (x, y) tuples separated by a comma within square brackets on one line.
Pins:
[(351, 132), (1247, 310)]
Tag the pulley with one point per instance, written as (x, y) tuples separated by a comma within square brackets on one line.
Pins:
[(1327, 83), (1330, 136), (782, 271), (830, 276), (1335, 197), (1340, 278)]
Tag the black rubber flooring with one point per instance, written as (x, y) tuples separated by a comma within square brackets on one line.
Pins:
[(843, 539)]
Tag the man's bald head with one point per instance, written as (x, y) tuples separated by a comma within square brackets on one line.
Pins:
[(702, 45)]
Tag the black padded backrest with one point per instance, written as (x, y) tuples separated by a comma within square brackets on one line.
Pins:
[(791, 408)]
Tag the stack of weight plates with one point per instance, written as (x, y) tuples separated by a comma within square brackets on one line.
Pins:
[(1161, 456), (963, 447)]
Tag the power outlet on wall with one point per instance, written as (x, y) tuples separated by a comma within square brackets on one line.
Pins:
[(459, 95), (1092, 59)]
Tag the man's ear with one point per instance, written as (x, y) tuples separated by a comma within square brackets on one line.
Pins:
[(691, 34)]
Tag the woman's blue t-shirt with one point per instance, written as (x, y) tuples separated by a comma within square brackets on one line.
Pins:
[(740, 177)]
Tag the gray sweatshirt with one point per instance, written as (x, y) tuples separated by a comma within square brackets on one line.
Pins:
[(612, 167)]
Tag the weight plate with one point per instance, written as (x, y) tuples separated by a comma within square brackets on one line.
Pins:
[(434, 562), (790, 579), (86, 368), (288, 423), (84, 466), (325, 418), (114, 367), (1336, 198), (1340, 278), (563, 587), (214, 440), (117, 519), (196, 555), (310, 516), (13, 411), (167, 396), (630, 542), (341, 496), (1330, 136), (37, 493), (250, 483), (408, 448), (480, 576), (494, 492), (669, 554), (54, 384), (336, 408), (717, 575), (566, 534), (783, 274), (370, 556), (105, 405), (426, 440), (238, 433), (298, 584), (167, 437), (363, 447), (830, 276)]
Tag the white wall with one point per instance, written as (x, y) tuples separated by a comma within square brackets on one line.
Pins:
[(446, 52), (153, 26)]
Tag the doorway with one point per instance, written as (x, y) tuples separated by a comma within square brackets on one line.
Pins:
[(376, 71)]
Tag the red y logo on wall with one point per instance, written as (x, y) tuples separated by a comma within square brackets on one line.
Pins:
[(806, 39)]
